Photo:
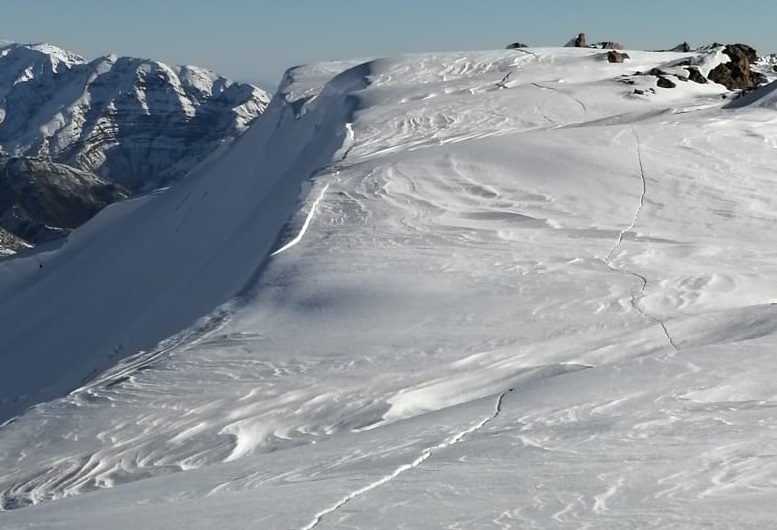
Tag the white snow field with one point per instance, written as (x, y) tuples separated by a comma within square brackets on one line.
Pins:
[(441, 291)]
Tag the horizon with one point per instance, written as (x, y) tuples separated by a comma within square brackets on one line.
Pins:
[(231, 38), (252, 43)]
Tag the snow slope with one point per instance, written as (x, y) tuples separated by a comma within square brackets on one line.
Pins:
[(515, 295)]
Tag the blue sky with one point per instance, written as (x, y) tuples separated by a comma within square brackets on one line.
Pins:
[(256, 40)]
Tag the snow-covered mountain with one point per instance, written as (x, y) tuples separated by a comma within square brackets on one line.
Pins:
[(512, 289), (137, 122), (132, 122)]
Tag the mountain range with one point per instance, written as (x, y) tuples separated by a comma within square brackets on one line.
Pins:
[(122, 124)]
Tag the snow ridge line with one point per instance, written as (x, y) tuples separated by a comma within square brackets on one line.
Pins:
[(608, 259), (305, 225), (425, 455)]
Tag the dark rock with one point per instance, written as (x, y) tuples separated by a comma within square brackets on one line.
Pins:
[(736, 74), (652, 71), (609, 45), (663, 82), (616, 56), (9, 243), (515, 45), (639, 92), (683, 47), (41, 200), (577, 42), (696, 76)]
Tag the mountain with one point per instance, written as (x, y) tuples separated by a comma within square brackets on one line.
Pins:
[(41, 200), (136, 123), (496, 289)]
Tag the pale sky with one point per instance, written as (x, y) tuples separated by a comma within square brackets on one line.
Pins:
[(256, 40)]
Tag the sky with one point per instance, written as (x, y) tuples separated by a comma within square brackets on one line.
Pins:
[(256, 40)]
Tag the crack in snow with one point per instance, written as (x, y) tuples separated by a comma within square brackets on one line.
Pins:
[(608, 259), (640, 206), (557, 91), (305, 225), (425, 455)]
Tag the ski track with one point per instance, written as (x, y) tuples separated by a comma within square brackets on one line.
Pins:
[(643, 280), (425, 455)]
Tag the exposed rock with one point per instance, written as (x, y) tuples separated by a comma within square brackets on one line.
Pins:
[(664, 82), (577, 42), (736, 74), (683, 47), (608, 45), (41, 200), (10, 244), (696, 76), (653, 71), (515, 45), (616, 56)]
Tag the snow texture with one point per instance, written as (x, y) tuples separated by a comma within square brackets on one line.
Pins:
[(449, 290)]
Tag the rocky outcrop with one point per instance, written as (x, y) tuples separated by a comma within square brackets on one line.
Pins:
[(683, 47), (665, 82), (577, 42), (135, 122), (10, 244), (516, 45), (695, 75), (608, 45), (41, 200), (614, 56), (737, 74)]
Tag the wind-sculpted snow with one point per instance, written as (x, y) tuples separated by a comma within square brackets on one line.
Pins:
[(512, 295)]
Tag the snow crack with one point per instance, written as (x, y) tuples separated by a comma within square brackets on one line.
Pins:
[(640, 206), (305, 225), (425, 455), (608, 259)]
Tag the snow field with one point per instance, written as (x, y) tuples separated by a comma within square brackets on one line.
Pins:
[(515, 296)]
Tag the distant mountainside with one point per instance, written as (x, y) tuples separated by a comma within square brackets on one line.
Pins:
[(41, 200), (133, 122)]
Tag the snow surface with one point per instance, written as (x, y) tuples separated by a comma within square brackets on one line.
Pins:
[(513, 295)]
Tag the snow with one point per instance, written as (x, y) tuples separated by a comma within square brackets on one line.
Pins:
[(512, 295)]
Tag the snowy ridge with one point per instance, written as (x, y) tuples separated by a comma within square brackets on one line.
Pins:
[(518, 296), (142, 312)]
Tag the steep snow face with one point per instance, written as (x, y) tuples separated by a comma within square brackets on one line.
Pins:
[(139, 123), (515, 295), (135, 274)]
